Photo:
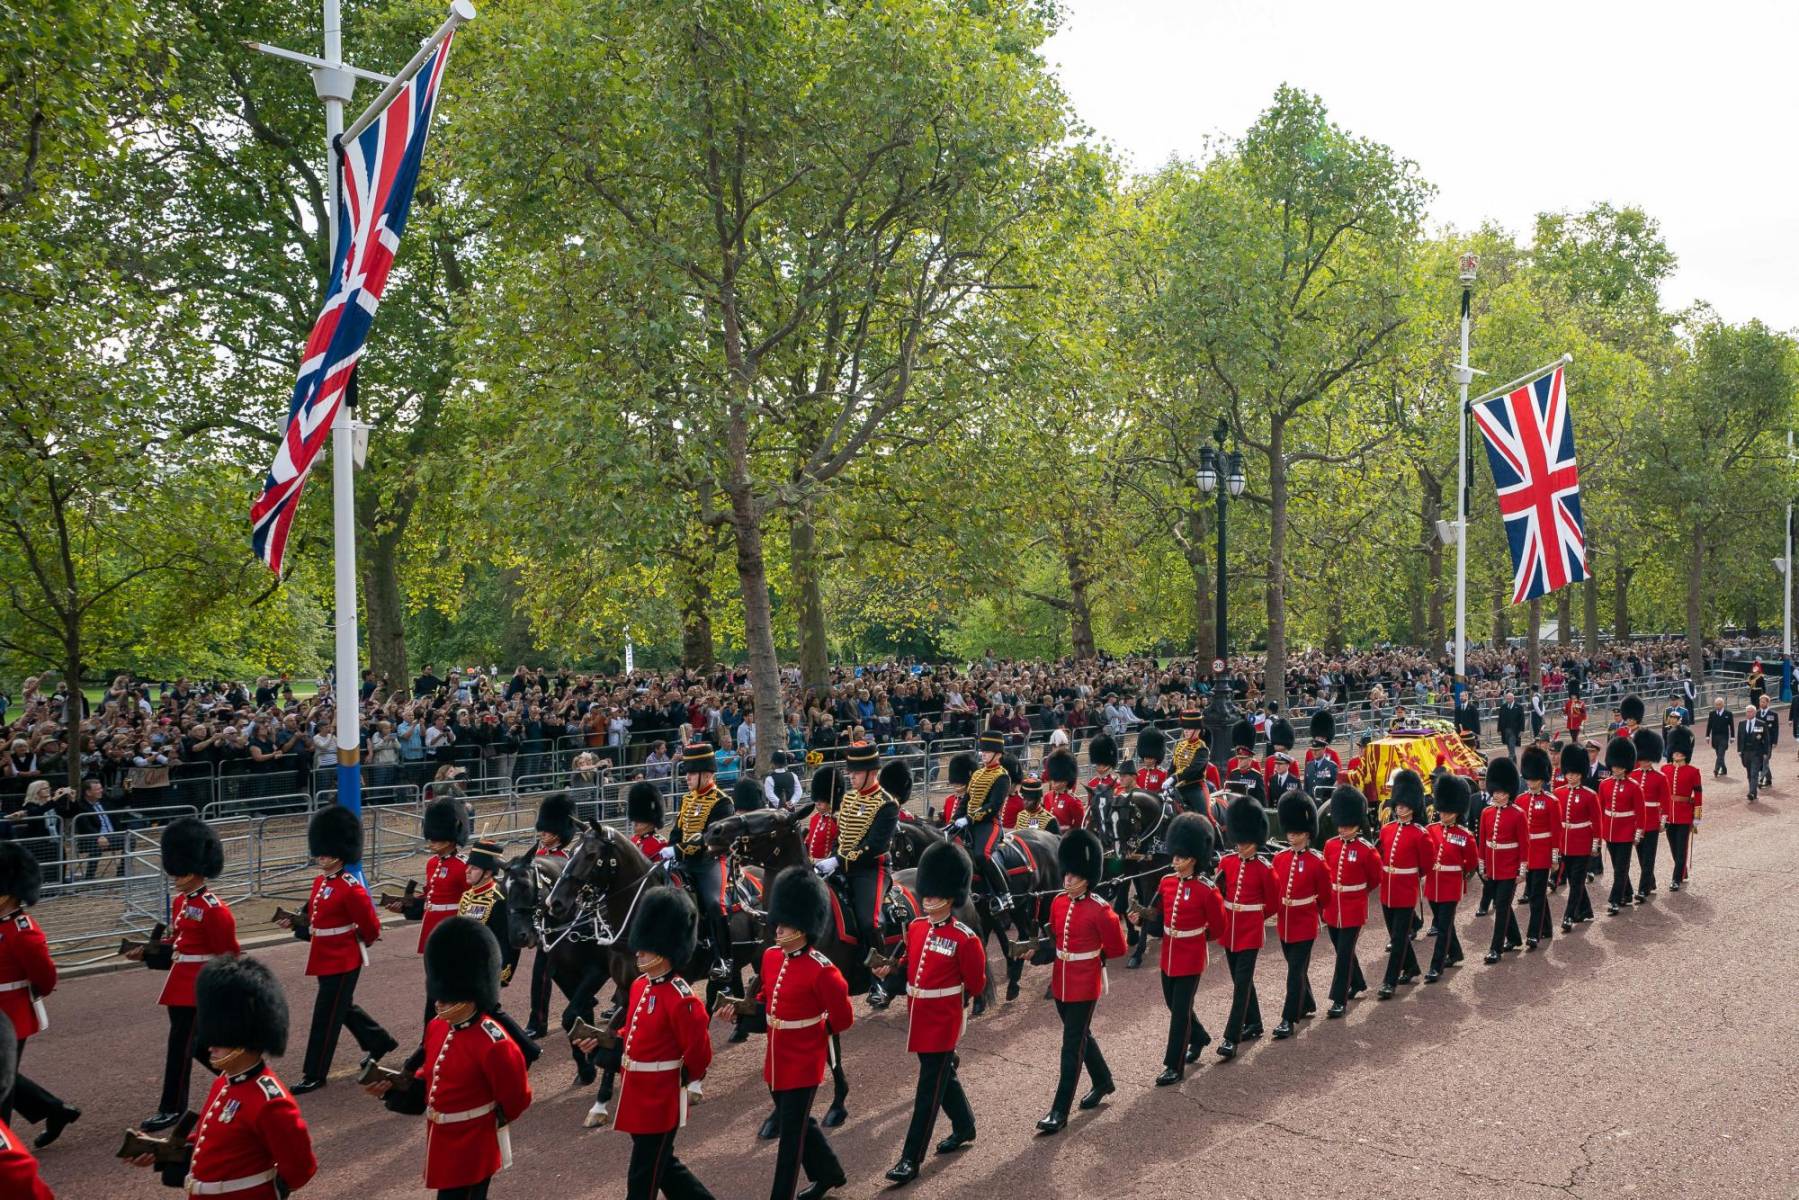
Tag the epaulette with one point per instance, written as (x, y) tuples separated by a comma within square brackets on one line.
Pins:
[(23, 921), (211, 900), (963, 928), (820, 959), (271, 1087), (680, 985), (492, 1029)]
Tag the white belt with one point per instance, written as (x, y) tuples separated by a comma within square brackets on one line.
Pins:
[(1652, 804), (918, 993), (1400, 870), (441, 907), (193, 958), (1448, 867), (1578, 825), (438, 1118), (1181, 933), (802, 1023), (1242, 907), (1620, 812), (334, 931), (1537, 837), (220, 1187), (1298, 903), (17, 985), (1502, 845), (1076, 955), (1351, 887), (667, 1064)]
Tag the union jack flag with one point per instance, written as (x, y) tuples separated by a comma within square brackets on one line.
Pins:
[(378, 172), (1530, 445)]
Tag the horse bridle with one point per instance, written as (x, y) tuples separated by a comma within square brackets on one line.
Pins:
[(588, 925)]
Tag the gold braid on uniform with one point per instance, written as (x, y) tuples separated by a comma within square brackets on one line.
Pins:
[(855, 813), (690, 820), (979, 785), (1039, 819), (1184, 750), (481, 903)]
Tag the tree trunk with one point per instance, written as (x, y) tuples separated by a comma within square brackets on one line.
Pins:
[(1199, 565), (1621, 602), (1753, 619), (758, 618), (1502, 618), (1534, 642), (1696, 603), (1432, 511), (385, 610), (696, 616), (1080, 609), (809, 598), (1414, 609), (1564, 617), (1333, 624), (1590, 596), (1274, 678), (71, 709)]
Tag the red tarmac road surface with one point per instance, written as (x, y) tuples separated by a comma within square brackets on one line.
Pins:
[(1649, 1054)]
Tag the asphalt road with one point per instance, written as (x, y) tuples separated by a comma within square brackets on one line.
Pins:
[(1648, 1054)]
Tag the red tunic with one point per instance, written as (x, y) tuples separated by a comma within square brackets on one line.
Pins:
[(807, 1001), (27, 974), (821, 834), (251, 1128), (651, 845), (1452, 857), (1304, 883), (1152, 780), (952, 804), (1354, 867), (1620, 808), (946, 967), (204, 929), (1102, 782), (1067, 809), (1008, 813), (1502, 840), (1652, 785), (1580, 816), (1192, 914), (446, 878), (1686, 792), (1404, 856), (342, 923), (475, 1077), (1250, 898), (1087, 933), (1542, 830), (1576, 714), (18, 1170), (668, 1044)]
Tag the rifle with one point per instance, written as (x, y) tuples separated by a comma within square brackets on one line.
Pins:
[(282, 914), (163, 1151), (374, 1072), (390, 901), (739, 1005), (128, 945), (876, 960), (1024, 950), (581, 1031)]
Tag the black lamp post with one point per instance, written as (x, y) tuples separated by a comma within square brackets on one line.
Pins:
[(1217, 466)]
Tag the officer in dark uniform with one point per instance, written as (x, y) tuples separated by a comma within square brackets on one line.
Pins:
[(703, 871), (979, 822), (867, 815)]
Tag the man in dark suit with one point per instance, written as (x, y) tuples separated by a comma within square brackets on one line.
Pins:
[(1752, 748), (1510, 722), (1718, 730), (1769, 717), (1467, 719)]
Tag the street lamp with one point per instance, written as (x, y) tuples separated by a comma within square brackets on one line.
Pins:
[(1215, 466)]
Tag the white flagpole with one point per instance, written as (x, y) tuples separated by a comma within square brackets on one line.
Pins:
[(1464, 375), (1786, 575), (461, 12)]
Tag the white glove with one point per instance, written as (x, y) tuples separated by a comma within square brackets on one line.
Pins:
[(825, 866), (666, 854), (959, 823)]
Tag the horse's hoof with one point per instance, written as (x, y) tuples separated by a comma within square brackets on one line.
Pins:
[(738, 1034), (980, 1004), (597, 1116), (1012, 990), (585, 1074), (1134, 961), (768, 1130), (835, 1116)]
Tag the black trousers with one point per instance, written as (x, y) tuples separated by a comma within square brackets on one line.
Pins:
[(1079, 1048), (1679, 840), (1505, 917), (178, 1062), (1536, 890), (33, 1102), (1646, 861), (654, 1168), (1448, 945), (1246, 1008), (1752, 766), (1580, 905), (1401, 959), (541, 983), (1486, 895), (477, 1191), (938, 1088), (1720, 767), (1299, 1000), (334, 1008), (1619, 853), (1347, 975), (1184, 1029), (802, 1144), (867, 888)]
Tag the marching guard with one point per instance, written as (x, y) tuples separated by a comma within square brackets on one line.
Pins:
[(468, 1080), (1152, 748), (446, 874), (341, 924), (1404, 854), (1186, 913), (1502, 829), (1246, 884), (1302, 880), (27, 976), (1654, 788), (1060, 772), (1102, 752), (1355, 869), (1580, 817), (946, 968), (643, 808), (555, 829), (705, 873), (251, 1142), (1087, 933), (1453, 859), (1543, 837), (19, 1178), (821, 826), (1620, 810), (1686, 801)]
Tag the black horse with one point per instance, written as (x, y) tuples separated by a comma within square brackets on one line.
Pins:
[(1131, 829)]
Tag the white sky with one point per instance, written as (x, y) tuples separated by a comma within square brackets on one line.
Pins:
[(1508, 108)]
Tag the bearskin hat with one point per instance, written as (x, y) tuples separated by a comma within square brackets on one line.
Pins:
[(239, 1005), (1575, 760), (1243, 734), (1298, 813), (462, 964), (1649, 746), (1502, 776), (829, 785), (20, 876), (335, 832), (1102, 751), (666, 923), (746, 794), (1152, 744), (1190, 836), (1680, 741), (1059, 767), (1348, 806), (444, 822), (1281, 734), (643, 802), (944, 872), (896, 780), (9, 1058), (1534, 764), (1324, 725), (1631, 708), (1406, 789), (798, 899), (556, 814), (1080, 854), (1246, 821), (961, 769), (1450, 794), (1620, 754), (190, 847)]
